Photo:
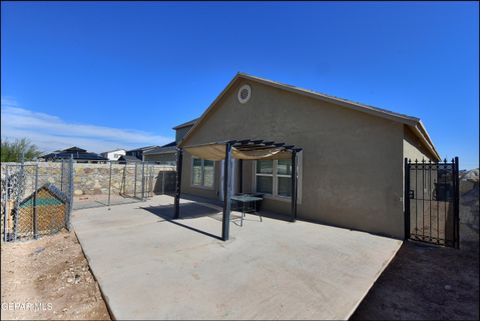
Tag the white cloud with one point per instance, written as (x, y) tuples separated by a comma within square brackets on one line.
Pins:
[(49, 132)]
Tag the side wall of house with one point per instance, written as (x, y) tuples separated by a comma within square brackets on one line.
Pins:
[(413, 147), (352, 161), (166, 157), (180, 132)]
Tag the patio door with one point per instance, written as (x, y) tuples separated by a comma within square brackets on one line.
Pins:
[(234, 188)]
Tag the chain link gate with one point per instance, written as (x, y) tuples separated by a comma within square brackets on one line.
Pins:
[(432, 202), (31, 205)]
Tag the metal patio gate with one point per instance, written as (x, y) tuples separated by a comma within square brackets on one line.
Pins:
[(432, 202)]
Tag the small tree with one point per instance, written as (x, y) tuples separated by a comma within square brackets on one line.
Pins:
[(12, 151)]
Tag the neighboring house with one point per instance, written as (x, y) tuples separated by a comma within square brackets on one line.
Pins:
[(351, 169), (138, 152), (79, 155), (128, 159), (114, 154), (167, 154)]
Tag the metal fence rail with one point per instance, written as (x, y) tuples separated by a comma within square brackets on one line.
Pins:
[(38, 198), (119, 183)]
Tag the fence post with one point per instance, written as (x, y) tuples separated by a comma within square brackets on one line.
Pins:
[(18, 194), (143, 181), (406, 200), (61, 177), (457, 203), (7, 197), (110, 183), (135, 181), (35, 217), (70, 192), (151, 184), (163, 182)]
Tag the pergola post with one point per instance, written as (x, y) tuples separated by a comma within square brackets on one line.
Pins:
[(240, 175), (178, 182), (294, 186), (227, 192)]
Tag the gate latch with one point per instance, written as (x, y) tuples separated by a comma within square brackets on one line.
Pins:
[(411, 194)]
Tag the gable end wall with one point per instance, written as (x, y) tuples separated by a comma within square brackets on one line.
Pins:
[(352, 161)]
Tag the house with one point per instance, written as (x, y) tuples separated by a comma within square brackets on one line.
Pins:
[(138, 152), (166, 154), (78, 154), (128, 159), (350, 161), (114, 154)]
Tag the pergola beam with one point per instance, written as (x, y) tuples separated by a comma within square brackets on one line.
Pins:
[(241, 145)]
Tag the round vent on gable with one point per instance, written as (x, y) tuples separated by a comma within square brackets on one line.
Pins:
[(244, 94)]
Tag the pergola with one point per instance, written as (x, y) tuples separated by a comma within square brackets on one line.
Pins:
[(246, 149)]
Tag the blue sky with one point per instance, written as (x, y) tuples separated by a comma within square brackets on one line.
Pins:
[(102, 75)]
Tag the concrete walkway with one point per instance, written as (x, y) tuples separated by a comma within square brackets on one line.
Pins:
[(150, 267)]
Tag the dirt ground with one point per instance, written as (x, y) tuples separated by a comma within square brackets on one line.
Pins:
[(425, 283), (49, 278)]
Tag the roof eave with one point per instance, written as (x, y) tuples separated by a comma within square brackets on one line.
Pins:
[(413, 122), (421, 132)]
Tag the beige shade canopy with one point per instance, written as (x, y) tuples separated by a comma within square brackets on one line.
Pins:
[(216, 152)]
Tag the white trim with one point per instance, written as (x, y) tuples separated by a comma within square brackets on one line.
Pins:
[(239, 94), (274, 175), (201, 186)]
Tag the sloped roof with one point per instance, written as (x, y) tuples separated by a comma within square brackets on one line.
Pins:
[(188, 123), (167, 148), (129, 159), (58, 194), (114, 150), (142, 148), (414, 123), (75, 149), (79, 154)]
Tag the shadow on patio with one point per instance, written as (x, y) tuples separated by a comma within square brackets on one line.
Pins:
[(188, 211), (199, 207)]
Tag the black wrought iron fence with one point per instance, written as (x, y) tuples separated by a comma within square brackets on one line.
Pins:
[(432, 201)]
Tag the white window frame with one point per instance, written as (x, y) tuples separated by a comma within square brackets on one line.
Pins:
[(275, 176), (203, 175)]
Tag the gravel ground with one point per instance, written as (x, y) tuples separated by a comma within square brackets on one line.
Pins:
[(49, 278), (424, 282)]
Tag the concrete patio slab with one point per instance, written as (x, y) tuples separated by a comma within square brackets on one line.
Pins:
[(150, 267)]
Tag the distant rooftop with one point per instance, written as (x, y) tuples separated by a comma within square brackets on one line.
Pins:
[(75, 152), (142, 148)]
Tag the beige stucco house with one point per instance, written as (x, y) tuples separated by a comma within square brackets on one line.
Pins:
[(351, 169)]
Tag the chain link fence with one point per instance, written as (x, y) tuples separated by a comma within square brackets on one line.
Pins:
[(31, 205), (115, 183), (37, 198)]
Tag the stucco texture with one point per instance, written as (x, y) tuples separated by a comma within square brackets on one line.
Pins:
[(352, 161), (413, 148)]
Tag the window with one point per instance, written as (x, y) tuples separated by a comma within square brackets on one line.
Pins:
[(274, 177), (264, 176), (284, 177), (202, 172)]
